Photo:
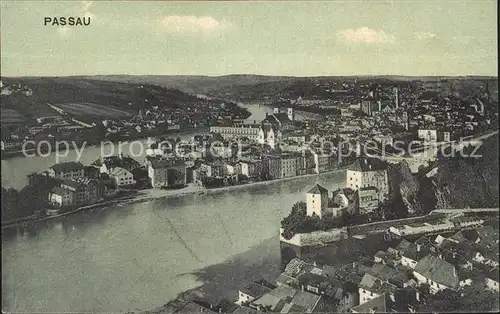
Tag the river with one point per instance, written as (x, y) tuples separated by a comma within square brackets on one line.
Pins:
[(142, 255), (16, 169)]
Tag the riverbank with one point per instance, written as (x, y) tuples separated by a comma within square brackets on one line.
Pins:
[(140, 196), (4, 155)]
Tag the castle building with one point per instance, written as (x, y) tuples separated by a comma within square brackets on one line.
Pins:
[(368, 172), (317, 201)]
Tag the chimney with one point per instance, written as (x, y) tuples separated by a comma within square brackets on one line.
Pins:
[(417, 295), (454, 272)]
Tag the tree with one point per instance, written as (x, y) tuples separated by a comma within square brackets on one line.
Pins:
[(474, 298)]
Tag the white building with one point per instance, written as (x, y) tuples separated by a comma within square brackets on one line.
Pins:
[(366, 173), (427, 135), (60, 197), (251, 292), (317, 201), (250, 131), (268, 135), (122, 177), (492, 279)]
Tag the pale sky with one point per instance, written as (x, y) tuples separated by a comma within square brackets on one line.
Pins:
[(418, 37)]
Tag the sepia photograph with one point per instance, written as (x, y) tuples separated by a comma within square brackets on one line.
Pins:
[(247, 157)]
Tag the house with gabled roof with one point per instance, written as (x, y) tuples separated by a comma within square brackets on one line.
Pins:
[(437, 273), (250, 292), (411, 253), (372, 287)]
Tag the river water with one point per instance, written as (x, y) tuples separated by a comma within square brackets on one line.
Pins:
[(140, 256), (15, 170)]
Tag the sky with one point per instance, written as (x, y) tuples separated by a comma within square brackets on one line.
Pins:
[(372, 37)]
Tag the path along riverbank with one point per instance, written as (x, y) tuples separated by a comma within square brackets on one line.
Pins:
[(139, 196)]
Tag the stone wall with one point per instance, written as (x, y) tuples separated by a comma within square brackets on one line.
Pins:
[(316, 238)]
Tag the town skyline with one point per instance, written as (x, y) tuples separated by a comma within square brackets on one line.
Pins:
[(281, 39)]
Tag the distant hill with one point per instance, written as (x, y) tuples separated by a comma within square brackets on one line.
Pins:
[(243, 87), (191, 84), (86, 97)]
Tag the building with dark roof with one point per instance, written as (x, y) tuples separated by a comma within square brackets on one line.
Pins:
[(411, 253), (372, 287), (366, 173), (167, 172), (437, 273), (118, 161), (280, 120), (251, 292), (67, 170)]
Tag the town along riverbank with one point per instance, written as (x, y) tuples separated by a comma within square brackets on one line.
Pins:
[(138, 196), (139, 256)]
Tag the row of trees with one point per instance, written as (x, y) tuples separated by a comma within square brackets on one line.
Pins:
[(29, 200), (473, 298), (462, 180)]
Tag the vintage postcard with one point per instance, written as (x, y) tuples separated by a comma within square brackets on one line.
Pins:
[(249, 156)]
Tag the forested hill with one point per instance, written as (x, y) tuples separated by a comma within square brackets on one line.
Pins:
[(470, 181), (111, 96)]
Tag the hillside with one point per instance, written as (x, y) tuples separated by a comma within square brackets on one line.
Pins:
[(222, 84), (85, 98), (190, 84)]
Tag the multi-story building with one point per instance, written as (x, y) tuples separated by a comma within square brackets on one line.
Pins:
[(290, 165), (273, 166), (324, 161), (67, 170), (368, 172), (77, 189), (60, 197), (434, 135), (167, 172), (216, 169), (107, 164), (234, 131), (253, 168)]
